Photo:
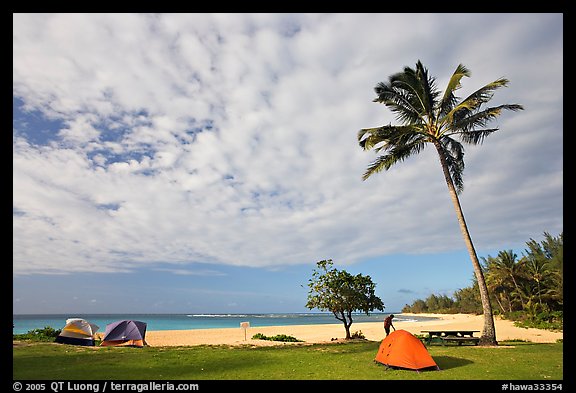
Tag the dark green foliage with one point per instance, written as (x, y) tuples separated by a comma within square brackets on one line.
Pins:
[(426, 116), (45, 334), (545, 320), (526, 289), (467, 300), (278, 337), (341, 293)]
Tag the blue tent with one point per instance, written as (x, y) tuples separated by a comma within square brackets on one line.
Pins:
[(125, 333)]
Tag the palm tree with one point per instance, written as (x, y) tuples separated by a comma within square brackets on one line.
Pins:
[(498, 284), (427, 117), (508, 269)]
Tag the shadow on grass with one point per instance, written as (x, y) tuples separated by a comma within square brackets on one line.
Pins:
[(449, 362)]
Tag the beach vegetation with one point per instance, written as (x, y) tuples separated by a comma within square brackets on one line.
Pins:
[(358, 335), (428, 117), (278, 337), (342, 293), (527, 289), (47, 333), (339, 360)]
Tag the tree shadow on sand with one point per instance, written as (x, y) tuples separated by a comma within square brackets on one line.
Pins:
[(449, 362)]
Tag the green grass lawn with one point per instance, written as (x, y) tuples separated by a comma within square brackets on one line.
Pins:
[(334, 361)]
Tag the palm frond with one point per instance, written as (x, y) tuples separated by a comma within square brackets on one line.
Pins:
[(475, 137), (454, 153), (364, 134), (417, 88), (427, 89), (482, 95), (395, 154), (481, 118), (411, 94), (409, 85), (449, 99), (398, 97), (377, 166), (369, 138)]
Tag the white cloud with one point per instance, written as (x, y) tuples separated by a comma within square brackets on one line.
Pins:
[(232, 139)]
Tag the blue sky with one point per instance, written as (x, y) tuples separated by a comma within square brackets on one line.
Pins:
[(205, 162)]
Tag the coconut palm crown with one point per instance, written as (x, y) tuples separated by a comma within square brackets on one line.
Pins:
[(426, 116)]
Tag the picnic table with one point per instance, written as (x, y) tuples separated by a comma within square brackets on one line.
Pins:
[(459, 336)]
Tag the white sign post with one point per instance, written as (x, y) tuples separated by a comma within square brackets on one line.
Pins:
[(244, 325)]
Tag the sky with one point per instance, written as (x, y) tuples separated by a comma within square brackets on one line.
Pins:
[(204, 163)]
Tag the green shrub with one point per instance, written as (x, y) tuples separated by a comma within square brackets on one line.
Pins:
[(278, 337), (45, 334), (358, 334), (548, 320)]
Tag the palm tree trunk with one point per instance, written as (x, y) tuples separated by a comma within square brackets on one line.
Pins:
[(510, 304), (500, 304), (488, 336)]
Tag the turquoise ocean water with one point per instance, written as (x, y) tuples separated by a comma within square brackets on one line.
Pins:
[(26, 322)]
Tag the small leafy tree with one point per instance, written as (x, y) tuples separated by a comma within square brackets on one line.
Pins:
[(341, 293)]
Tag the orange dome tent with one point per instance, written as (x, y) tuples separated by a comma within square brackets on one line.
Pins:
[(401, 349)]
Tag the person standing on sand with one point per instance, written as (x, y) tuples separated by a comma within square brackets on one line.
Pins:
[(388, 324)]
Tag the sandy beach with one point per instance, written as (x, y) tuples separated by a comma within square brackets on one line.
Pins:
[(374, 331)]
